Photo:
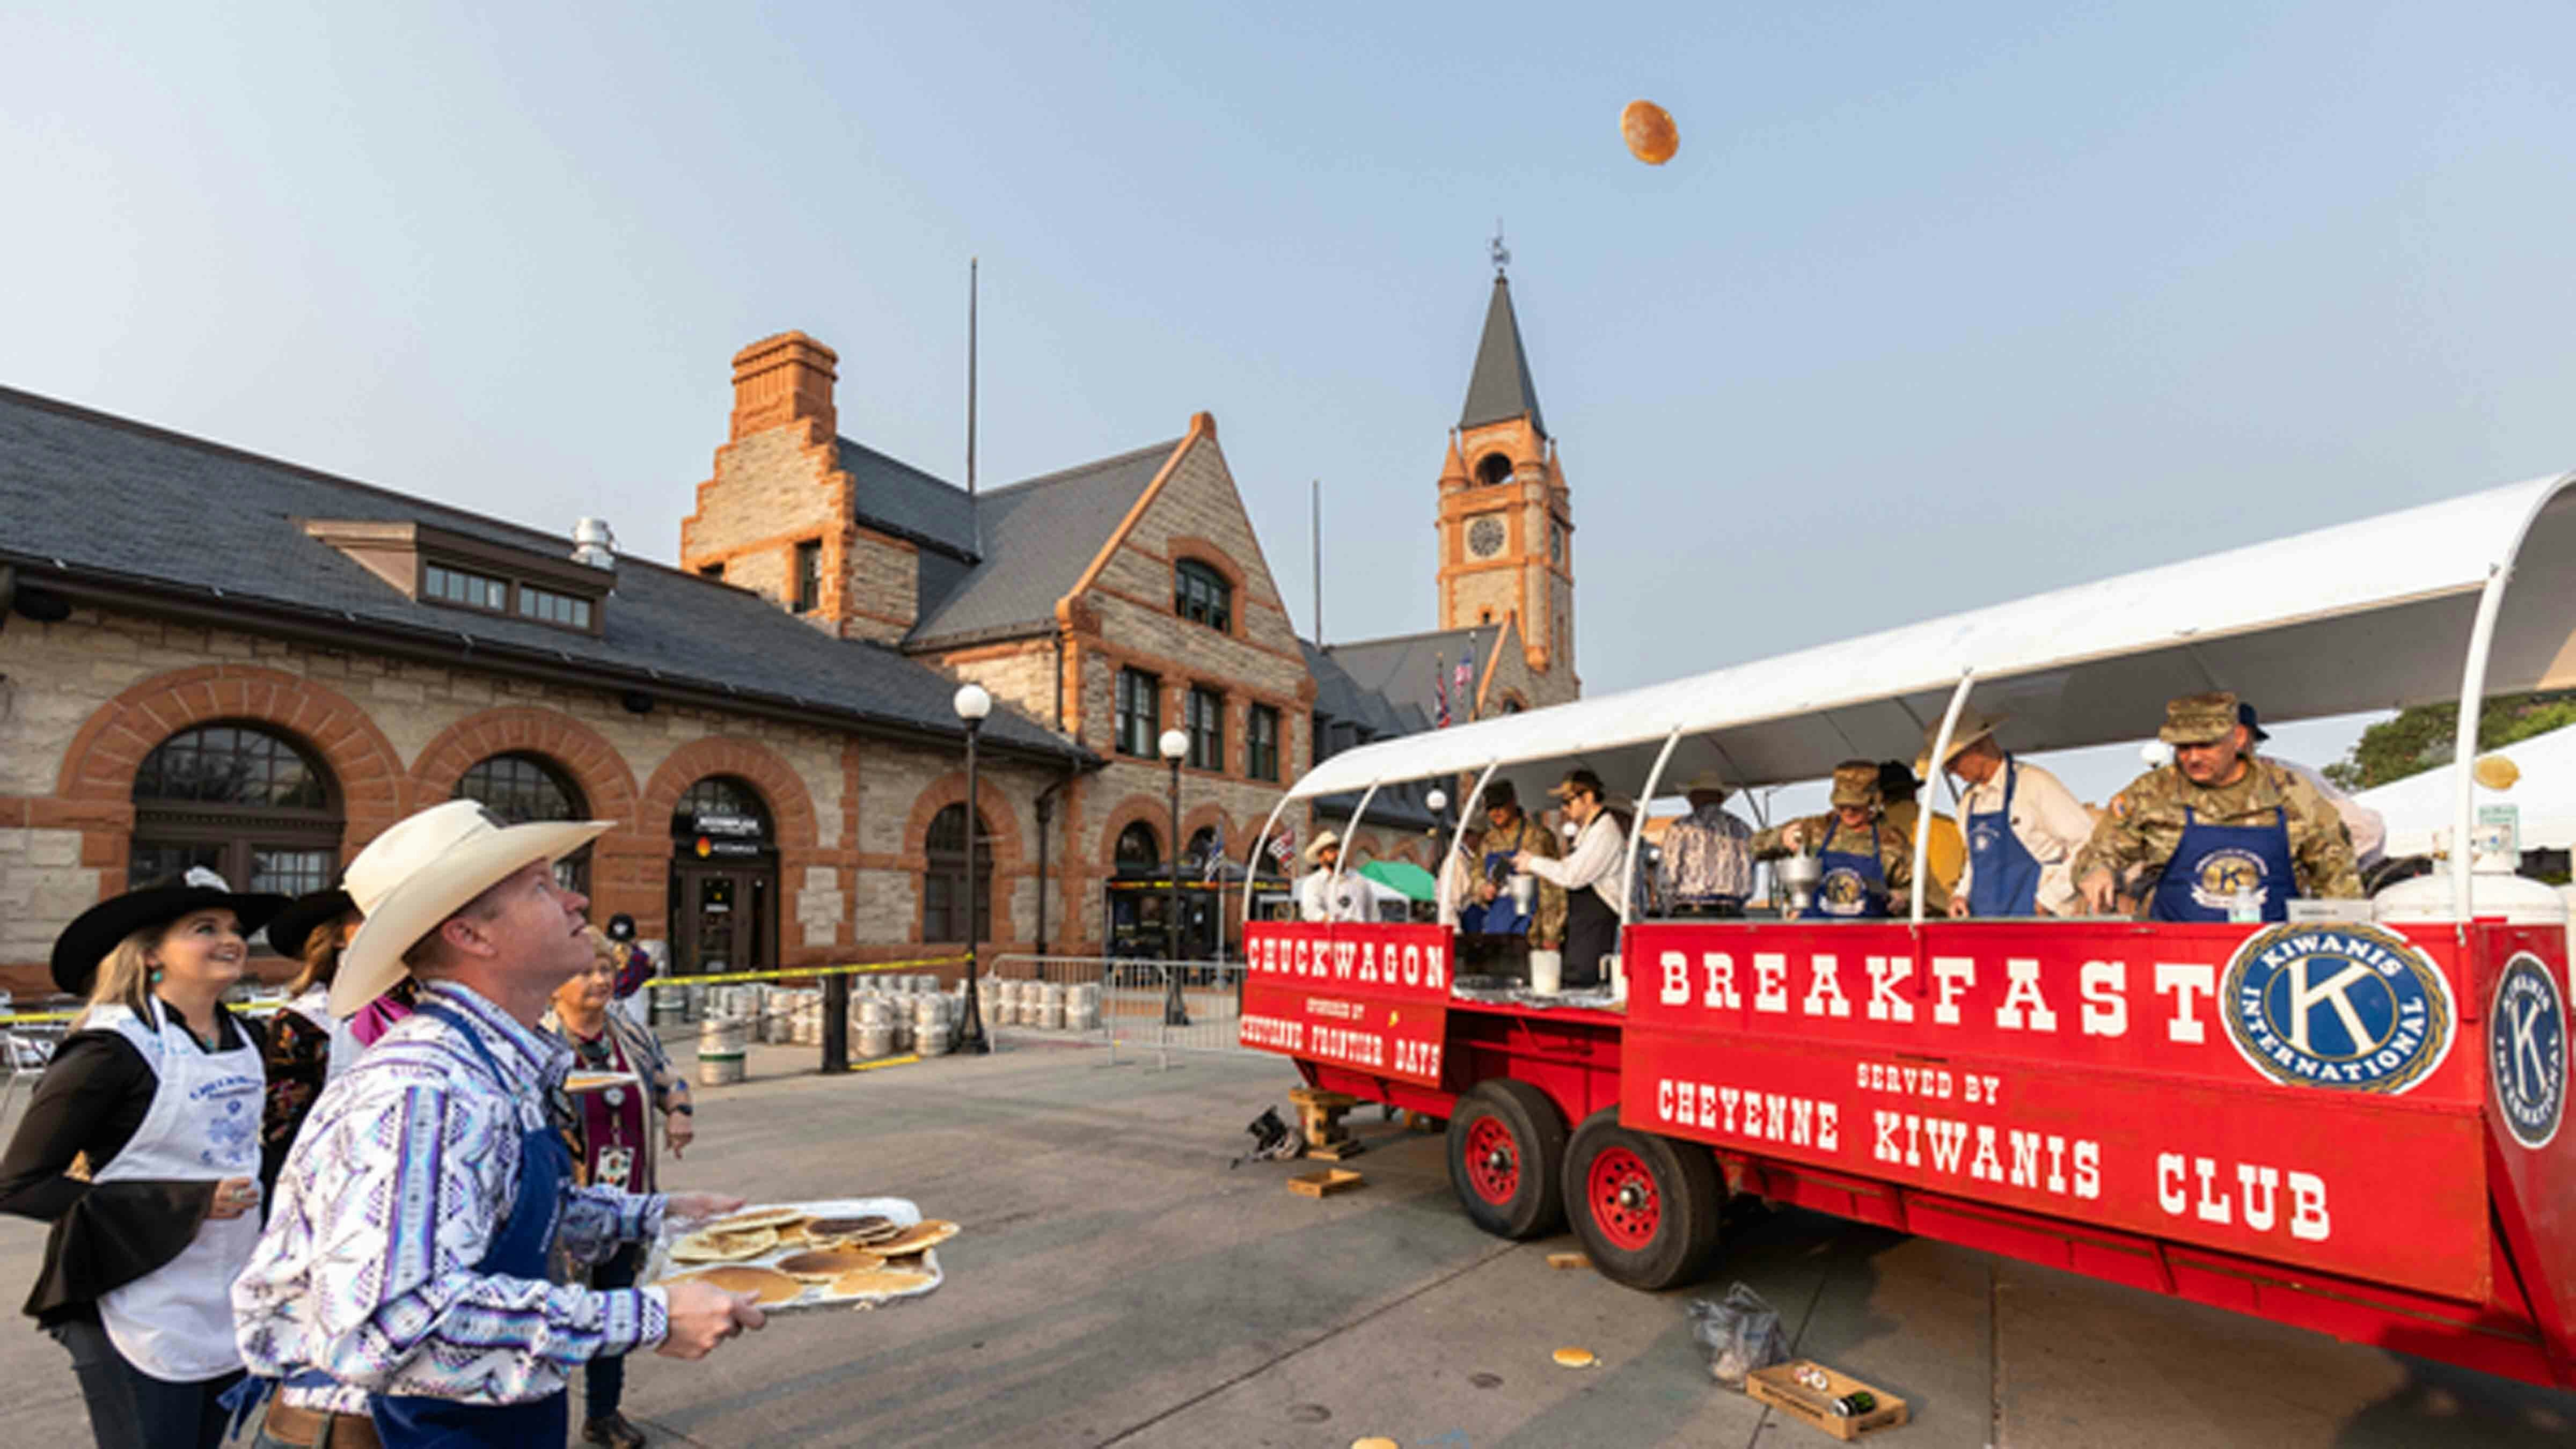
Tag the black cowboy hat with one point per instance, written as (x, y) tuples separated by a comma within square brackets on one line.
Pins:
[(293, 926), (621, 927), (94, 933)]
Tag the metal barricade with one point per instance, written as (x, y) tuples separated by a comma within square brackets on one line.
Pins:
[(1157, 1006)]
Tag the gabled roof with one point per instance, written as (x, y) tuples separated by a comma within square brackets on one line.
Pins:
[(1039, 536), (1500, 388), (94, 498), (1408, 668), (894, 497)]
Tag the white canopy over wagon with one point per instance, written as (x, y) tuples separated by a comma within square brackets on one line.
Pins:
[(2403, 609)]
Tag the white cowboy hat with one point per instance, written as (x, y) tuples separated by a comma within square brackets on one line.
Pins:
[(1707, 780), (1971, 728), (417, 874), (1315, 849)]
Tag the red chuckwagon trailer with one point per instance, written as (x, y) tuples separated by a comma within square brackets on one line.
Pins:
[(2349, 1121)]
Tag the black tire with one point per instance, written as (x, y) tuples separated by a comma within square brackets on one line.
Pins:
[(1507, 1159), (1648, 1216)]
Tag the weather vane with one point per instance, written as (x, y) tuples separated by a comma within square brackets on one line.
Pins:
[(1501, 254)]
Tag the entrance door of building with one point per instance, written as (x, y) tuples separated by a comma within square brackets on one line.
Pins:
[(723, 918)]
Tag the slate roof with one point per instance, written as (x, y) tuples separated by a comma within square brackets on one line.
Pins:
[(894, 497), (1339, 696), (1500, 387), (1407, 668), (105, 496), (1038, 537)]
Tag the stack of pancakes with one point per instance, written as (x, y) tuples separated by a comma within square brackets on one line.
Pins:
[(848, 1257)]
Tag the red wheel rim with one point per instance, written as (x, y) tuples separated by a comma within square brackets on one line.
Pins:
[(1493, 1161), (1625, 1206)]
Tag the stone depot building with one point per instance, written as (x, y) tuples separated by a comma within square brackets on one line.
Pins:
[(212, 657)]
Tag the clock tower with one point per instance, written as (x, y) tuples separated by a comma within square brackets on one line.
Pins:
[(1506, 526)]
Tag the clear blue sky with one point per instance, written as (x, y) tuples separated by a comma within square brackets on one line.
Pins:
[(1934, 308)]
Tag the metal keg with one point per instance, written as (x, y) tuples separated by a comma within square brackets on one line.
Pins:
[(875, 1041), (721, 1042)]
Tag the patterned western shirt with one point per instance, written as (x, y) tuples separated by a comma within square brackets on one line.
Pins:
[(1708, 855), (393, 1192)]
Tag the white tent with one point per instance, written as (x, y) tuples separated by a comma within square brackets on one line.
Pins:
[(2406, 608), (2545, 797)]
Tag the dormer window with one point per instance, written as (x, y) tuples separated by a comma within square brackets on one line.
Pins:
[(482, 575), (1202, 595), (456, 586)]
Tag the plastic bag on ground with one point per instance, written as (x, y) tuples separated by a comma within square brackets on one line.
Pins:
[(1741, 1334)]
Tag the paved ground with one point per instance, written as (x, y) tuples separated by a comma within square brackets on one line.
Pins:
[(1117, 1284)]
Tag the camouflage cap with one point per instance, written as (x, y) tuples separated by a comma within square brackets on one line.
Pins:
[(2198, 719), (1856, 783)]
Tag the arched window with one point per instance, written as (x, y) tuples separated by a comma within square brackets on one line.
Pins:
[(521, 788), (1140, 851), (239, 799), (1493, 469), (944, 887), (721, 807), (1202, 595)]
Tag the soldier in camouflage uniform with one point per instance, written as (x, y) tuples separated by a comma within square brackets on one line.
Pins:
[(2216, 822), (1509, 831), (1867, 861)]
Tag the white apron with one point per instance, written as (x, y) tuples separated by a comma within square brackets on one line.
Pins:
[(176, 1322)]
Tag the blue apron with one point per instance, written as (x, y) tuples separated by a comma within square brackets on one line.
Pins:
[(519, 1250), (2004, 880), (1854, 886), (2210, 860), (1501, 917)]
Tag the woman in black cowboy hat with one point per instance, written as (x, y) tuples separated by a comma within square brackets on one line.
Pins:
[(141, 1147), (306, 1046)]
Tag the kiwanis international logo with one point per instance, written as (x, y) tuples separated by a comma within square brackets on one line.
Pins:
[(2352, 1007), (2222, 874), (1842, 892), (2527, 1050)]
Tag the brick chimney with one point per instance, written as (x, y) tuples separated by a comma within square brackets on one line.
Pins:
[(783, 379)]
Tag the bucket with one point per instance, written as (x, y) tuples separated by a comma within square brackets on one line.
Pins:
[(1547, 972), (721, 1042)]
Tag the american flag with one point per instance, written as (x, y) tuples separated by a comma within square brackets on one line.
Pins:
[(1215, 853), (1463, 684), (1440, 690)]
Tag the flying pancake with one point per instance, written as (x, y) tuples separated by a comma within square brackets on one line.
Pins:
[(824, 1265), (766, 1285)]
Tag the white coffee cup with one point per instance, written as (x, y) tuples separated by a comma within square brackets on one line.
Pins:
[(1547, 972)]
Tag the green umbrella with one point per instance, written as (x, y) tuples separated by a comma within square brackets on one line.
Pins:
[(1404, 878)]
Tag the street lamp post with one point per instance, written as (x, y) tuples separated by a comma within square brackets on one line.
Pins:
[(1174, 745), (972, 704)]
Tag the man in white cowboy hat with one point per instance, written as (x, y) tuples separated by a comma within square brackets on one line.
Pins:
[(1706, 868), (2023, 827), (1319, 896), (403, 1277)]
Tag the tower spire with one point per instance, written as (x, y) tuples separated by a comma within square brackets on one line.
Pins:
[(1500, 388)]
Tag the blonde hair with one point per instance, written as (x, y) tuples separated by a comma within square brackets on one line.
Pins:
[(321, 955), (125, 975)]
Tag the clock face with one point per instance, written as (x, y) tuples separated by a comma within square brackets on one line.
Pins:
[(1485, 536)]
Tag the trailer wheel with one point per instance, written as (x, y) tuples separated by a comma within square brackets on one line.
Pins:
[(1507, 1159), (1646, 1207)]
